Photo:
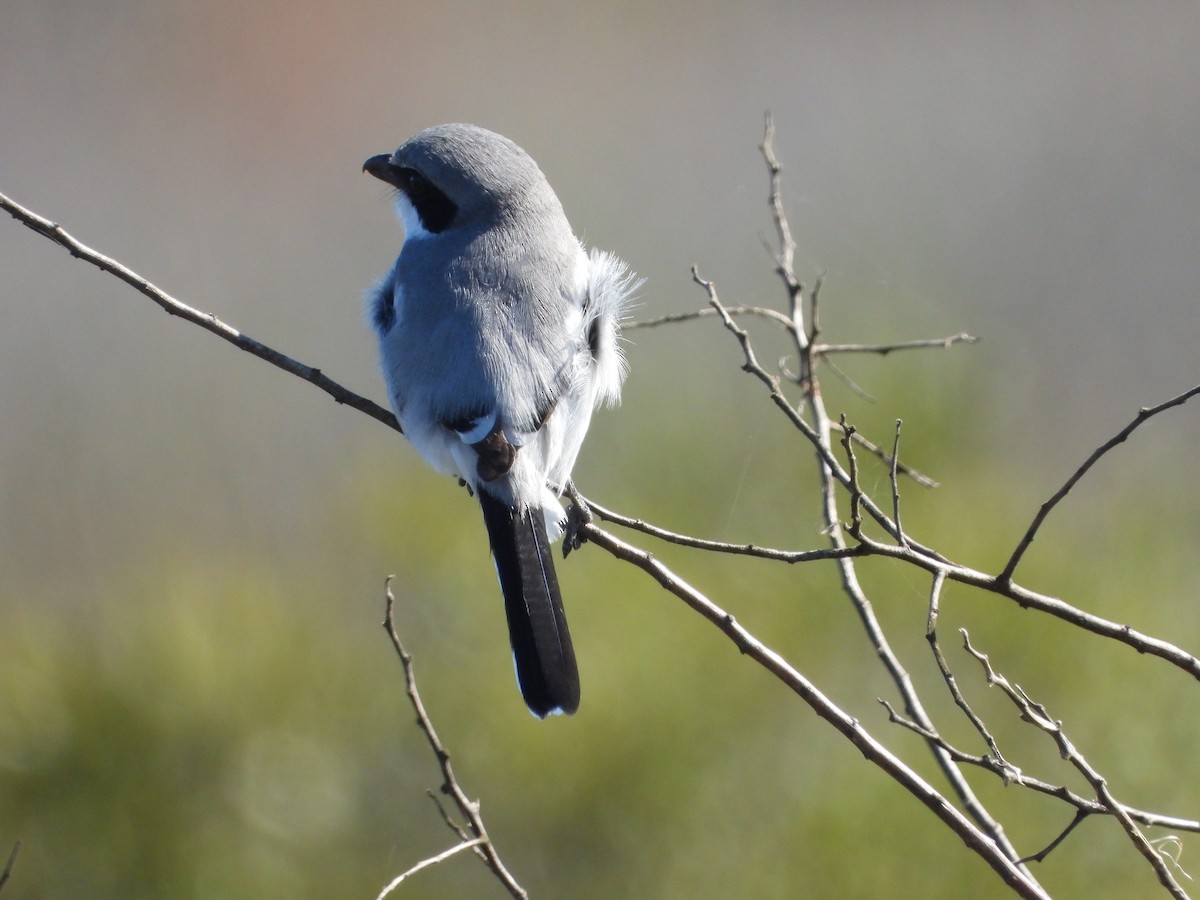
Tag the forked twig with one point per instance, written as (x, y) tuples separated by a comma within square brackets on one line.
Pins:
[(480, 842), (1037, 714), (749, 645)]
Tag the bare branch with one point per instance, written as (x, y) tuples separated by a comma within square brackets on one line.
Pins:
[(1143, 415), (1079, 816), (830, 473), (8, 866), (890, 460), (1019, 880), (787, 245), (814, 297), (848, 433), (1060, 609), (817, 436), (1037, 715), (450, 786), (935, 593), (930, 559), (205, 320), (1011, 775), (462, 833), (896, 488), (844, 377), (683, 540), (771, 315), (425, 863), (884, 349)]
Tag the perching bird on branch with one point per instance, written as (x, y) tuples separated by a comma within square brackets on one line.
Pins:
[(498, 335)]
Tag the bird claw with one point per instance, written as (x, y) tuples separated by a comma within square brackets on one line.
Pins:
[(579, 516)]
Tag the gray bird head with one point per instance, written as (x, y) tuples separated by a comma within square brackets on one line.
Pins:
[(462, 175)]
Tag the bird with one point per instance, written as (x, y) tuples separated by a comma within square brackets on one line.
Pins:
[(499, 334)]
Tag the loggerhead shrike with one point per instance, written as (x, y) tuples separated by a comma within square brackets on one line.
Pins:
[(498, 336)]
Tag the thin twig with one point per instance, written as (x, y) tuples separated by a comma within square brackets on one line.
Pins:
[(771, 315), (931, 560), (814, 314), (844, 377), (847, 725), (205, 320), (848, 433), (818, 437), (425, 863), (1079, 816), (8, 866), (884, 349), (684, 540), (896, 487), (935, 595), (1027, 599), (1143, 415), (826, 466), (830, 470), (787, 244), (1037, 715), (1014, 776), (450, 786), (890, 460), (463, 834)]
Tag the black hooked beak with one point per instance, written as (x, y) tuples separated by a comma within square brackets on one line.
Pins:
[(384, 169)]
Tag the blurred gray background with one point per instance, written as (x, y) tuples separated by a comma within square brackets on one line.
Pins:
[(1026, 172)]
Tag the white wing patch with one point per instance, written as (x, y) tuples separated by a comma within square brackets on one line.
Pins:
[(480, 428)]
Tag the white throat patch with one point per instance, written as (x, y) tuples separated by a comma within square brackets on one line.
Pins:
[(413, 229)]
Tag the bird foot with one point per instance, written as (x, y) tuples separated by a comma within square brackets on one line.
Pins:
[(579, 516)]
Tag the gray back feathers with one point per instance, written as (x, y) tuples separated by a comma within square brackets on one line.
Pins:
[(485, 301)]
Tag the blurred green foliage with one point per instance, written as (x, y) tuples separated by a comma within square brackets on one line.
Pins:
[(222, 724)]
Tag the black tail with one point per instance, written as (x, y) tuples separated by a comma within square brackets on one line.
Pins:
[(537, 625)]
